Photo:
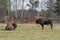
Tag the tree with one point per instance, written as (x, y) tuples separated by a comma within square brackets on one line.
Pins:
[(3, 7), (16, 9), (33, 4), (58, 7), (22, 8), (50, 6), (8, 8)]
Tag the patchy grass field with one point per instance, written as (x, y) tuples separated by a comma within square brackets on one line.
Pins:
[(30, 32)]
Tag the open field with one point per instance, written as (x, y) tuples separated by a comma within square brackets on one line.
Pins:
[(30, 32)]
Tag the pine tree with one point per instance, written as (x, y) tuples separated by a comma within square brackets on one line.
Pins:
[(50, 6), (33, 5), (3, 7), (58, 7)]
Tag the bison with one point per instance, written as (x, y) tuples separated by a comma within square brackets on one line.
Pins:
[(44, 21), (11, 25)]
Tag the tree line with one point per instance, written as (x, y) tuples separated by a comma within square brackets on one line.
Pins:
[(53, 8)]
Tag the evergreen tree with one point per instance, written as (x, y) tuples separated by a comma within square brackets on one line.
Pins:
[(3, 7), (33, 5), (50, 6), (58, 7)]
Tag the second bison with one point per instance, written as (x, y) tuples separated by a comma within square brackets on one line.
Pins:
[(44, 21)]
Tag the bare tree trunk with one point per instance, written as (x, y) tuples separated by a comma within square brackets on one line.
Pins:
[(22, 14), (22, 8), (16, 10), (8, 7)]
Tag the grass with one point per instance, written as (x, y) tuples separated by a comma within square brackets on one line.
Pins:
[(30, 32)]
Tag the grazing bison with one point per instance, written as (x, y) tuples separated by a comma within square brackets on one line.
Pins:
[(44, 21), (11, 25)]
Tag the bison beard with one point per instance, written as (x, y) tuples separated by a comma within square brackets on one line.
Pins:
[(44, 21)]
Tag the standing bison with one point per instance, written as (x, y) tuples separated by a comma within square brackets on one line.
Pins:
[(44, 21)]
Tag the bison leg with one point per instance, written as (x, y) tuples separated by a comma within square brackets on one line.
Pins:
[(51, 25), (42, 26)]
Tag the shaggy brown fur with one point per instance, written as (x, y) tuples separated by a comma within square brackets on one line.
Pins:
[(44, 21), (11, 25)]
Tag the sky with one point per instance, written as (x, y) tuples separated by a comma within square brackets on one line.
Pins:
[(42, 5)]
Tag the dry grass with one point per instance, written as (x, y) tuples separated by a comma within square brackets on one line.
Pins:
[(30, 32)]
